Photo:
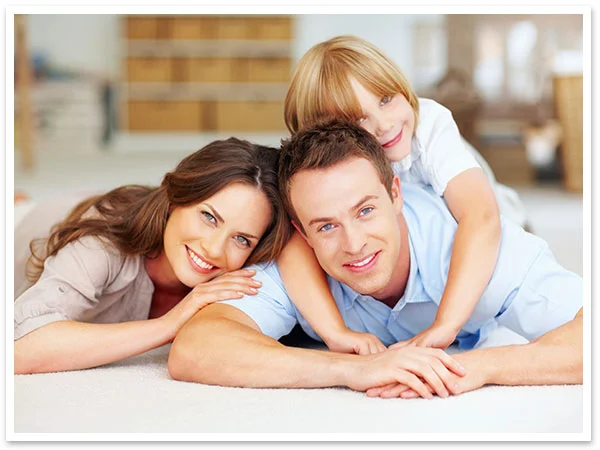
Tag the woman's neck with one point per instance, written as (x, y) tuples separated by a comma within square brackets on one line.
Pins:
[(163, 277)]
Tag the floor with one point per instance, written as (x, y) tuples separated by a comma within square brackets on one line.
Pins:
[(114, 399), (555, 214)]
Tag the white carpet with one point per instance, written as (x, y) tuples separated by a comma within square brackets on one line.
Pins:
[(138, 396)]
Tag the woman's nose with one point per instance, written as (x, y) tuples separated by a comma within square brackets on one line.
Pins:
[(214, 246)]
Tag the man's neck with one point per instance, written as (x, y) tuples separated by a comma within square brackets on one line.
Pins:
[(399, 279)]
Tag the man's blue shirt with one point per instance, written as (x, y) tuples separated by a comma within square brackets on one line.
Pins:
[(431, 229)]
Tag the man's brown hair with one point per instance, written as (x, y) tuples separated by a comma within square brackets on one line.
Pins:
[(325, 145)]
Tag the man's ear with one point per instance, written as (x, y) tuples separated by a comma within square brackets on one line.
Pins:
[(397, 194), (300, 232)]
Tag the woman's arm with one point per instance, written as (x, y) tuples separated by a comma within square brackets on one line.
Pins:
[(70, 345), (306, 285)]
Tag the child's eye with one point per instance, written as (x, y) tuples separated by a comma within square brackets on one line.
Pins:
[(365, 211), (385, 100), (242, 240), (208, 216), (326, 227)]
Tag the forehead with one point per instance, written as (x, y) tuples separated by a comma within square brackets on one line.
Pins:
[(240, 203), (332, 191)]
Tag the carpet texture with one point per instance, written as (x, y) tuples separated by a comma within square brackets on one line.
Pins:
[(138, 396)]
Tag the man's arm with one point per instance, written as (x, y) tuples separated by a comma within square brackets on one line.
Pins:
[(221, 345), (554, 358)]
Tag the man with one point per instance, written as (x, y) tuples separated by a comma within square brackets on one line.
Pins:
[(345, 200)]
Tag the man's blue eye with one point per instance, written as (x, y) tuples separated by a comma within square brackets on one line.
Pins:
[(326, 227), (365, 211)]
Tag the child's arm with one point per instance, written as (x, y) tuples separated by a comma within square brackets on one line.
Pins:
[(471, 200), (307, 286)]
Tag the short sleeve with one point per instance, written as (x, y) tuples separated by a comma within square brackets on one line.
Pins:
[(444, 154), (70, 286), (271, 309)]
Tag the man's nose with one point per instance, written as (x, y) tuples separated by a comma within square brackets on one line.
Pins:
[(354, 240)]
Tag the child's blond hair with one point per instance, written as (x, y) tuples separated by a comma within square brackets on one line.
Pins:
[(321, 88)]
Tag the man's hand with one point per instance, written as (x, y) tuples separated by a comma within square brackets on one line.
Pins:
[(416, 368), (474, 378), (436, 336), (348, 341)]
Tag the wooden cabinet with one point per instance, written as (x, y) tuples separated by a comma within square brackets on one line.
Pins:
[(568, 96), (206, 73)]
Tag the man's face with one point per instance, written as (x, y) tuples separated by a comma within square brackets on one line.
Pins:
[(351, 223)]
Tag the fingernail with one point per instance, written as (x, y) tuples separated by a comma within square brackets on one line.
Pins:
[(254, 291), (256, 283)]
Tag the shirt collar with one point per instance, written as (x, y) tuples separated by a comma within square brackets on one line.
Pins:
[(406, 163)]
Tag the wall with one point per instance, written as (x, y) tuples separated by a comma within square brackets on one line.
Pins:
[(92, 43), (87, 43)]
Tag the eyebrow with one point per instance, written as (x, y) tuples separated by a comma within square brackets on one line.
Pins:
[(220, 219), (353, 208)]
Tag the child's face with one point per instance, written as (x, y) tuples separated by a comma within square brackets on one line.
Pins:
[(390, 119)]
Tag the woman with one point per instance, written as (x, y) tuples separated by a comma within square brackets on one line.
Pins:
[(125, 270)]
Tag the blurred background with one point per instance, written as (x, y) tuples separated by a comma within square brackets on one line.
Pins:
[(105, 100)]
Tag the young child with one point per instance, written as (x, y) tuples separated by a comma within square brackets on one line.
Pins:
[(349, 78)]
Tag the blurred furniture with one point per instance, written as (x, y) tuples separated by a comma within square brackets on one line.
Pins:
[(568, 95), (193, 73), (456, 92), (23, 109)]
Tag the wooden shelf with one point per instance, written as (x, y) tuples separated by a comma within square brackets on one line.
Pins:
[(205, 72)]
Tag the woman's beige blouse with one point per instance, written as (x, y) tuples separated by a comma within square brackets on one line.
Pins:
[(88, 280)]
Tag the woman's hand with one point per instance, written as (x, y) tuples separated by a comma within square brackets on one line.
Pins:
[(229, 286), (348, 341)]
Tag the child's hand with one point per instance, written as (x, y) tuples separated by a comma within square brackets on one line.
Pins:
[(437, 336), (348, 341)]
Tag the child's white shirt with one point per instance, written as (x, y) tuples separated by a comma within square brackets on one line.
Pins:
[(438, 152)]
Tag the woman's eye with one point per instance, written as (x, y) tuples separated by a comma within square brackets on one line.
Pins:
[(385, 100), (361, 120), (209, 217), (242, 240), (365, 211), (326, 227)]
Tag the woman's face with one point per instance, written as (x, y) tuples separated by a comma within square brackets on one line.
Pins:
[(217, 235), (390, 119)]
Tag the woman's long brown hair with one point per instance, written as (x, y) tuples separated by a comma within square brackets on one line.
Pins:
[(132, 218)]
